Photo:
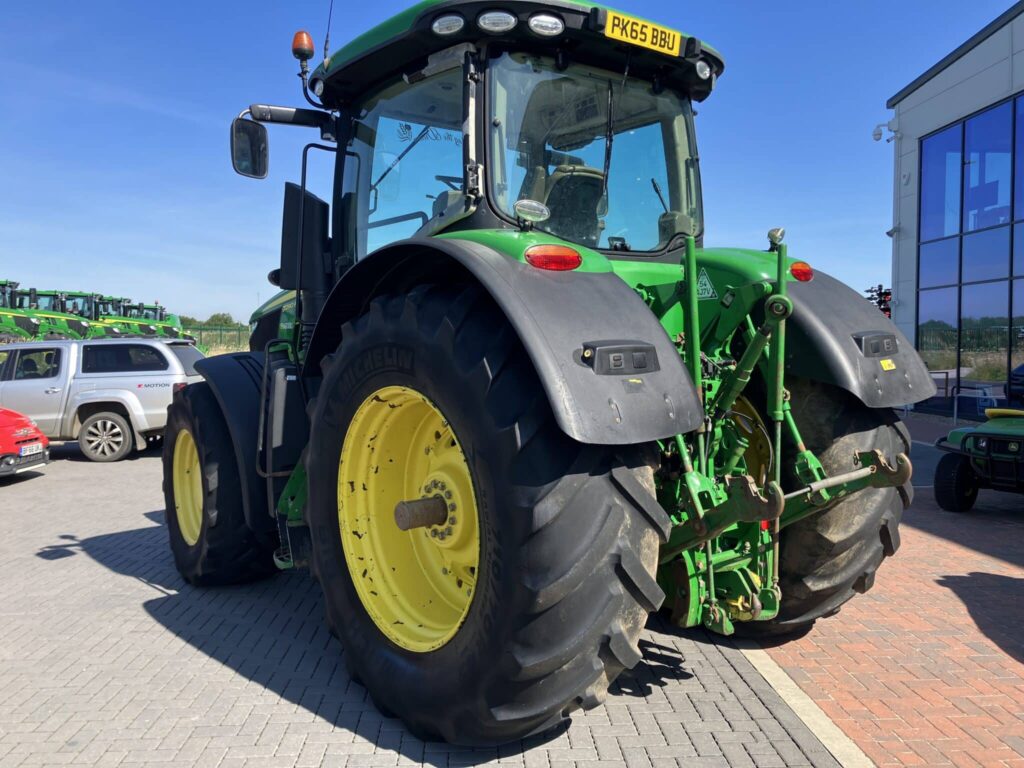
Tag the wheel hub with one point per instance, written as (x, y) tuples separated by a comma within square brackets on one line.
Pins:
[(416, 581)]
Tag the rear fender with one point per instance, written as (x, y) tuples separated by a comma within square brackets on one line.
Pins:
[(837, 337), (235, 381), (556, 315)]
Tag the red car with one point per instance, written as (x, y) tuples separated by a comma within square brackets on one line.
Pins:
[(22, 445)]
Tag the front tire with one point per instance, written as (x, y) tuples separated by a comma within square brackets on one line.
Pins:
[(210, 540), (955, 484), (566, 535)]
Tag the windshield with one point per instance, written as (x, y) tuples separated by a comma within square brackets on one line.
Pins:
[(5, 296), (549, 131)]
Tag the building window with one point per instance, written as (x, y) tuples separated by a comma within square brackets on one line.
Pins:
[(987, 141), (941, 163), (1017, 344), (984, 342), (970, 324), (937, 335), (940, 263), (986, 255)]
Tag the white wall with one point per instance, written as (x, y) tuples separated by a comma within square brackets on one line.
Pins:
[(992, 71)]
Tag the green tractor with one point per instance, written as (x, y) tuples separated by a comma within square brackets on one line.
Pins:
[(16, 324), (987, 455), (274, 319), (523, 407), (71, 314), (157, 316)]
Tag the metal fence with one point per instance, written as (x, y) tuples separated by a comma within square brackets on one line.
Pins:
[(236, 337)]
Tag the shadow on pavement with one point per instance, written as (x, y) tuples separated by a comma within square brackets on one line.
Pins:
[(996, 604), (273, 633)]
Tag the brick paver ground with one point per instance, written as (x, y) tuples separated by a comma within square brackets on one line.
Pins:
[(107, 657), (928, 667)]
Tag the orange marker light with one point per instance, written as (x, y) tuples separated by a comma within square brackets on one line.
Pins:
[(802, 271), (557, 258), (302, 46)]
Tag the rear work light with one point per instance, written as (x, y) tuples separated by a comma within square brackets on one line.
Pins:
[(448, 24), (496, 22), (801, 271), (557, 258)]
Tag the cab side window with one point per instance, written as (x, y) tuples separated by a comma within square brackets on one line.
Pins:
[(403, 168), (37, 364)]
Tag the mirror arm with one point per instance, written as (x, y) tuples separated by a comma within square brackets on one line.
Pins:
[(309, 118)]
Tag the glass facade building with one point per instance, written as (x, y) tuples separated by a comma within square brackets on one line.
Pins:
[(958, 218), (970, 264)]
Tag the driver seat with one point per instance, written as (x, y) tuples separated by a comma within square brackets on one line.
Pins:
[(573, 194)]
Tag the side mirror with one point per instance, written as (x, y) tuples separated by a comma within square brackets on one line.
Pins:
[(250, 148)]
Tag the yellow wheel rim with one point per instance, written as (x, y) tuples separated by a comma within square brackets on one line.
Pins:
[(416, 585), (188, 487)]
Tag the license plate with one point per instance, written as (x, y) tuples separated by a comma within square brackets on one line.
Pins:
[(30, 450), (643, 33)]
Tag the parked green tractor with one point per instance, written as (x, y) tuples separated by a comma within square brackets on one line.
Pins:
[(138, 319), (15, 323), (70, 313), (524, 406), (987, 455)]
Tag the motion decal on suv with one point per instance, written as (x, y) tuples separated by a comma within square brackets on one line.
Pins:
[(161, 385)]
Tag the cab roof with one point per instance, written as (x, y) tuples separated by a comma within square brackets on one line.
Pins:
[(402, 44)]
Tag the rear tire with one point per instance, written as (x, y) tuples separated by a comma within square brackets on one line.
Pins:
[(106, 437), (956, 484), (829, 557), (568, 533), (216, 546)]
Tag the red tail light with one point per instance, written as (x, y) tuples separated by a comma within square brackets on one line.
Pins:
[(179, 386), (802, 271), (558, 258)]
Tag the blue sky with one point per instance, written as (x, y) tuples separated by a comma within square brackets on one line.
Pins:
[(115, 174)]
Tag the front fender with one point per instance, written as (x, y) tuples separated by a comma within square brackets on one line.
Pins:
[(837, 337), (556, 315)]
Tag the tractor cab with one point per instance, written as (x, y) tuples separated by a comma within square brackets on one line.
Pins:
[(559, 118), (7, 289)]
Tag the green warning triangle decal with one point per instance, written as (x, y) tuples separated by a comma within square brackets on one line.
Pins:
[(705, 288)]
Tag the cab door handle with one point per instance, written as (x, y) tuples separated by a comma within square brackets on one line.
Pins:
[(52, 390)]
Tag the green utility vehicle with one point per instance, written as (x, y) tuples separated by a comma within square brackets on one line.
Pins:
[(989, 455), (524, 406)]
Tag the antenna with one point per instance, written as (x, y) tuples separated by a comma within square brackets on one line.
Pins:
[(327, 37)]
